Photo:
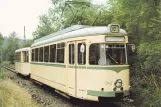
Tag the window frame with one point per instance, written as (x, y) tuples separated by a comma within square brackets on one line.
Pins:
[(25, 58), (41, 55), (18, 57), (44, 54), (37, 54), (70, 55), (55, 45), (33, 55), (124, 48), (59, 47), (85, 53)]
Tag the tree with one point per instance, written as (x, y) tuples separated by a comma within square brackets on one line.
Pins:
[(11, 46), (143, 23), (64, 14), (1, 39), (28, 43), (44, 28), (1, 42)]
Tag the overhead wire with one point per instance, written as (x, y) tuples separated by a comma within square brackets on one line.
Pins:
[(84, 5)]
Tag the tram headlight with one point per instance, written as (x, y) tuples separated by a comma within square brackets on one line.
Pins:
[(118, 83)]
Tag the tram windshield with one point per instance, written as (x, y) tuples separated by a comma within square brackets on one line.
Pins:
[(107, 54)]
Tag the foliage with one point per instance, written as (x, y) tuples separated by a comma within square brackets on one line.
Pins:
[(1, 74), (1, 39), (28, 43), (65, 14), (143, 24), (1, 42), (44, 28), (11, 46)]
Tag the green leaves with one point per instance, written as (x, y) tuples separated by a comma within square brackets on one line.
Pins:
[(12, 43), (64, 14), (28, 43), (44, 28), (1, 39)]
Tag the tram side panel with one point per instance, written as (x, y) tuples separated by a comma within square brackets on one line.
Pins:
[(25, 68), (71, 80), (26, 63), (22, 64), (18, 66), (53, 75), (94, 82)]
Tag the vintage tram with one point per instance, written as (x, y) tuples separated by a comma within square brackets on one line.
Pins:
[(85, 62)]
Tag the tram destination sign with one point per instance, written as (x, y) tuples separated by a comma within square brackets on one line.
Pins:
[(114, 39)]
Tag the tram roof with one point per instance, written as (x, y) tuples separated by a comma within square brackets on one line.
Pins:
[(75, 31), (22, 49)]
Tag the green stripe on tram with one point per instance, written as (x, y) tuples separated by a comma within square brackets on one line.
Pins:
[(117, 69), (55, 65), (106, 94), (77, 67)]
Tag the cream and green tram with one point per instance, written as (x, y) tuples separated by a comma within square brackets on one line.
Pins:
[(85, 62), (22, 63)]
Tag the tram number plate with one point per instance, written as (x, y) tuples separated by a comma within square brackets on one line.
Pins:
[(114, 28)]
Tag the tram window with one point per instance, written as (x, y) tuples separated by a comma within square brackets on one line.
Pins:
[(18, 57), (36, 54), (107, 54), (94, 54), (41, 52), (117, 52), (46, 54), (27, 56), (62, 44), (52, 53), (82, 53), (24, 56), (71, 53), (33, 54), (60, 52)]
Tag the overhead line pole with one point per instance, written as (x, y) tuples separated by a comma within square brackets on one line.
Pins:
[(24, 35)]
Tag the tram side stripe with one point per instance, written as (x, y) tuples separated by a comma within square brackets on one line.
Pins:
[(116, 69), (55, 65)]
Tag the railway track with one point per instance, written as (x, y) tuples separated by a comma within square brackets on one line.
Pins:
[(9, 68), (47, 97)]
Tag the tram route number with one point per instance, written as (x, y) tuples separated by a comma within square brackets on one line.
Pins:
[(115, 29)]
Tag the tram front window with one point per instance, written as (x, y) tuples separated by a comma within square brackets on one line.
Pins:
[(107, 54)]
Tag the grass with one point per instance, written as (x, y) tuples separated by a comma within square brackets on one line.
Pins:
[(11, 95)]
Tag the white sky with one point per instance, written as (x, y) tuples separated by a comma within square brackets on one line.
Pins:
[(15, 14)]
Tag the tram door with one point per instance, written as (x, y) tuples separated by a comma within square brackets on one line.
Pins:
[(71, 68), (73, 62)]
